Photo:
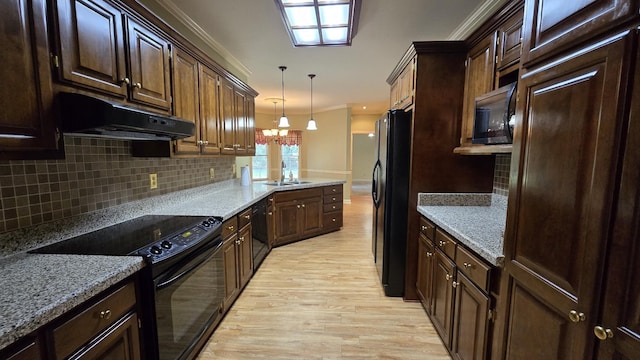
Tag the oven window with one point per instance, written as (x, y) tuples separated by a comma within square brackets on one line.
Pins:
[(186, 307)]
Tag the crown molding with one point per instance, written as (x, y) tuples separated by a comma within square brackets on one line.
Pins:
[(476, 18), (181, 16)]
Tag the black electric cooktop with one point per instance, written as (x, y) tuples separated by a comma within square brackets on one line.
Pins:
[(149, 235)]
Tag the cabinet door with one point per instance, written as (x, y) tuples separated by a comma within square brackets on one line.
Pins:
[(312, 214), (553, 25), (621, 304), (510, 41), (557, 231), (209, 110), (26, 94), (186, 99), (231, 286), (149, 67), (471, 328), (443, 292), (287, 218), (425, 272), (245, 255), (250, 127), (240, 125), (119, 342), (227, 113), (478, 80), (30, 351), (92, 45)]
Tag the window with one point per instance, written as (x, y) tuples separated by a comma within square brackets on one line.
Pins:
[(260, 163), (291, 157)]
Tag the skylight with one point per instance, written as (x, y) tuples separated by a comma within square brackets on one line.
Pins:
[(320, 22)]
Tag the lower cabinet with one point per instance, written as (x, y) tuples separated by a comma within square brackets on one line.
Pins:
[(105, 327), (300, 214), (238, 256), (455, 288)]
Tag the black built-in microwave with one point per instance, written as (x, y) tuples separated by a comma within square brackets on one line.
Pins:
[(495, 116)]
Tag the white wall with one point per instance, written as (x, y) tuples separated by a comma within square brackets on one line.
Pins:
[(364, 148)]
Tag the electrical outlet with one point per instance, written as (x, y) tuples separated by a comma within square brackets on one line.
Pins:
[(211, 173), (153, 181)]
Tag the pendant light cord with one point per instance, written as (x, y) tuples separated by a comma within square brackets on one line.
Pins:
[(283, 68)]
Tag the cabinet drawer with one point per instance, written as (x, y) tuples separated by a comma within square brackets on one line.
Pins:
[(229, 227), (332, 207), (297, 194), (333, 198), (472, 266), (333, 189), (83, 327), (446, 243), (332, 220), (244, 218), (427, 228)]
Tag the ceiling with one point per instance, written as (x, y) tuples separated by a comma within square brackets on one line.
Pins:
[(250, 34)]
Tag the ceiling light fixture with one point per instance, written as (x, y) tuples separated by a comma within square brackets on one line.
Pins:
[(312, 123), (320, 22), (275, 132), (284, 122)]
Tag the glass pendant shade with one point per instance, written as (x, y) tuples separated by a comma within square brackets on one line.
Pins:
[(311, 125), (266, 132), (284, 122)]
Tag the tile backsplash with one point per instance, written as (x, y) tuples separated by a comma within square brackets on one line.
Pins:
[(96, 174), (501, 174)]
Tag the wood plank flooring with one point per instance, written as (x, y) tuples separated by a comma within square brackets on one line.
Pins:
[(321, 299)]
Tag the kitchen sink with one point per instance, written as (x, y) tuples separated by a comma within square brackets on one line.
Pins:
[(285, 183)]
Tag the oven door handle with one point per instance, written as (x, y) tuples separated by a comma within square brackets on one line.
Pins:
[(162, 283)]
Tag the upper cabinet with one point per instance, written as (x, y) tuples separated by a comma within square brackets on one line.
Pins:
[(94, 48), (237, 133), (551, 26), (403, 87), (186, 99), (28, 127), (509, 41)]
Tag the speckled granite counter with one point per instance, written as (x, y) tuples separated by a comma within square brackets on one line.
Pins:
[(37, 288), (476, 220)]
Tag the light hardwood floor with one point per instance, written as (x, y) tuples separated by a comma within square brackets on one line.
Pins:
[(321, 299)]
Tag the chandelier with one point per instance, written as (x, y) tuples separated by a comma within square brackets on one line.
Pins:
[(274, 132)]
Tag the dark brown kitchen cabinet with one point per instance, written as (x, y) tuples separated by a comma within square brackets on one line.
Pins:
[(195, 98), (298, 214), (250, 124), (402, 89), (28, 126), (237, 120), (105, 50), (442, 302), (558, 229), (621, 305), (424, 278), (107, 327), (28, 351), (186, 99), (509, 41), (551, 26), (332, 208), (470, 320), (479, 78), (238, 255)]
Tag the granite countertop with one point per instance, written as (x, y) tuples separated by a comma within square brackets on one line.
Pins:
[(37, 288), (476, 220)]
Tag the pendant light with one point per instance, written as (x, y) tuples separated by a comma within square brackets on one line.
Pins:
[(274, 131), (284, 122), (312, 123)]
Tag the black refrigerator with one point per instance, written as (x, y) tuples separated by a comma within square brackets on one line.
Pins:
[(390, 192)]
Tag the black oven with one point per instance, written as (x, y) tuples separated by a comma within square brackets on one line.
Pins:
[(182, 299)]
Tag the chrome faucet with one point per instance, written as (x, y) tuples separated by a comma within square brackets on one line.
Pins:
[(282, 166)]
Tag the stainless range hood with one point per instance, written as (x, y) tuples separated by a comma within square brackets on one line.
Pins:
[(89, 116)]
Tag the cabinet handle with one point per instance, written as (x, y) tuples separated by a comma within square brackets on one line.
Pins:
[(105, 314), (602, 333), (467, 266), (247, 217), (442, 243), (423, 228), (298, 206), (230, 227), (448, 277), (125, 80), (333, 198), (334, 190), (237, 242), (333, 207), (206, 142), (270, 213), (575, 316), (429, 254), (334, 219), (137, 85), (242, 238), (455, 284), (302, 205)]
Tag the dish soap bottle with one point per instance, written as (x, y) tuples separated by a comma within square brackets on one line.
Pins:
[(290, 175)]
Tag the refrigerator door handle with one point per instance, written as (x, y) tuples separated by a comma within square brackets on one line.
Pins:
[(374, 184)]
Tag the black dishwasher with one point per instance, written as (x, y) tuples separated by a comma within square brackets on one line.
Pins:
[(259, 232)]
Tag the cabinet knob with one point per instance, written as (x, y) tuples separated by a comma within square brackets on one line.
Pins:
[(455, 284), (298, 206), (423, 228), (602, 333), (242, 238), (270, 213), (575, 316), (333, 219), (206, 142), (137, 85), (247, 217), (467, 266), (302, 205), (333, 198), (237, 242), (125, 81), (230, 227), (442, 243), (429, 254), (105, 314), (448, 277), (334, 190)]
